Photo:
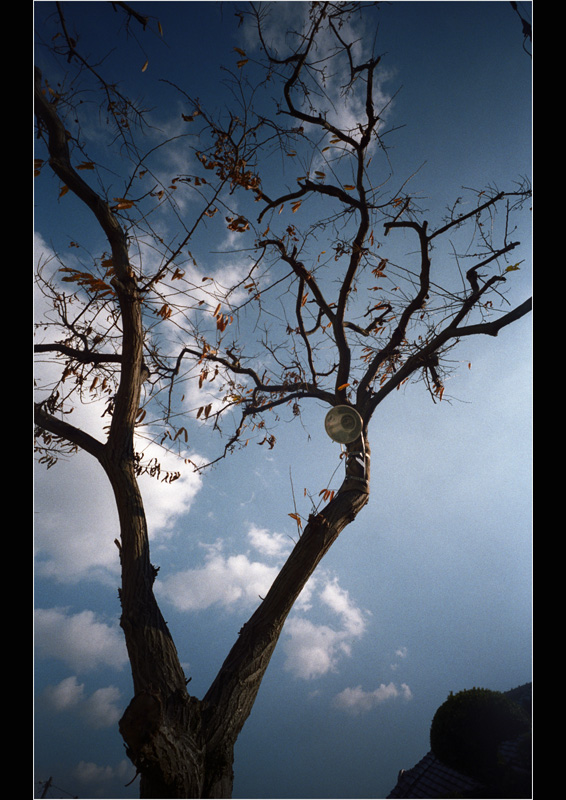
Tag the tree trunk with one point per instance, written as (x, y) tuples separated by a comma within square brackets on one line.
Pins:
[(161, 726), (183, 747)]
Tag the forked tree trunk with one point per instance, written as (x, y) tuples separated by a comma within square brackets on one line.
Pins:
[(183, 747)]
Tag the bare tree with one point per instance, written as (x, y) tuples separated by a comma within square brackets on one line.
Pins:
[(355, 326)]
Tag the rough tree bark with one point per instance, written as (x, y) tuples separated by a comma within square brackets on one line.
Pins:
[(182, 746)]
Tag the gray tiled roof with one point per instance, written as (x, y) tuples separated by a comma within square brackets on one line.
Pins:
[(433, 779)]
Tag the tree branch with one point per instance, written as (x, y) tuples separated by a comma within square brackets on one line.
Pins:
[(127, 397), (229, 699), (302, 331), (83, 356), (306, 187), (300, 270), (400, 331), (59, 427), (291, 391), (492, 328), (60, 162), (463, 217)]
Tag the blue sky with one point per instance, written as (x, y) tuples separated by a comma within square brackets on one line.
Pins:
[(429, 590)]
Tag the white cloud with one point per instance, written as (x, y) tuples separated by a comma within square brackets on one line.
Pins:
[(339, 601), (227, 581), (237, 581), (67, 694), (400, 653), (76, 517), (357, 701), (76, 521), (99, 710), (89, 772), (274, 545), (79, 640), (165, 502), (314, 650)]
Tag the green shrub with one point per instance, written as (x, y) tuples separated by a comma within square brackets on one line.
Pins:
[(468, 728)]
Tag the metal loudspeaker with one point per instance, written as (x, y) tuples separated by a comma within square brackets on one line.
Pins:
[(343, 424)]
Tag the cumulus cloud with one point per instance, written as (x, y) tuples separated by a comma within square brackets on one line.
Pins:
[(79, 640), (227, 581), (102, 709), (99, 710), (76, 522), (313, 650), (67, 694), (238, 581), (357, 701), (273, 545), (165, 502), (339, 601), (231, 581), (89, 772)]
